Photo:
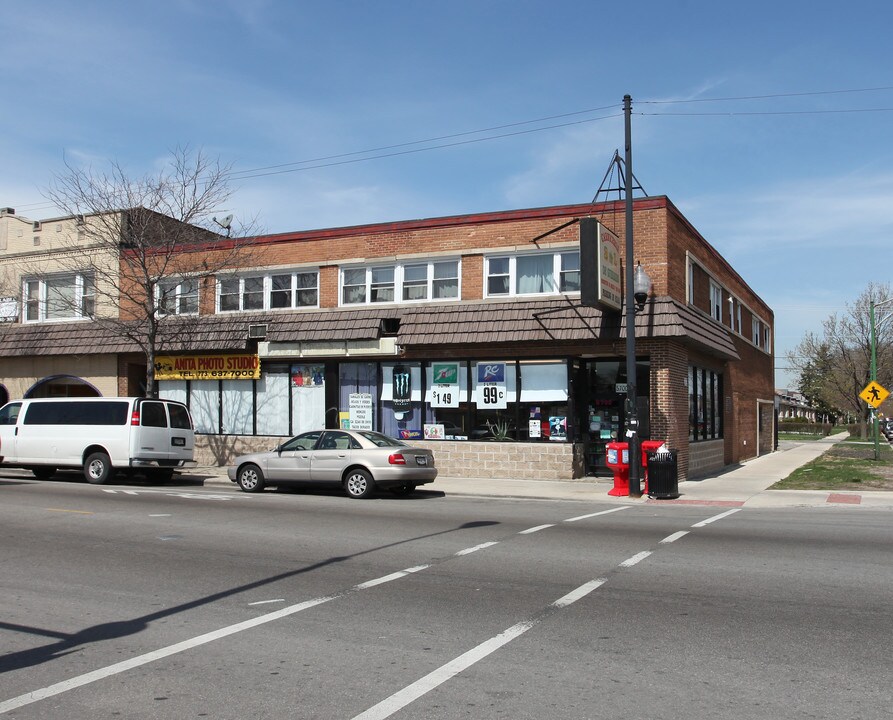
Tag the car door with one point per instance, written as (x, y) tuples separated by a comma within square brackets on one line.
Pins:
[(9, 415), (291, 463), (328, 461)]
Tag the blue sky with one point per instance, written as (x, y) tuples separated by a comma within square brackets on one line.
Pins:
[(794, 186)]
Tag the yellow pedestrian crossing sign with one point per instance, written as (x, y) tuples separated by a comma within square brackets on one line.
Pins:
[(874, 393)]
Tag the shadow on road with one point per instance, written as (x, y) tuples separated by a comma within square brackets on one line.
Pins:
[(67, 643)]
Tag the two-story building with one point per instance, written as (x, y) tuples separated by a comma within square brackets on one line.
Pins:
[(465, 333)]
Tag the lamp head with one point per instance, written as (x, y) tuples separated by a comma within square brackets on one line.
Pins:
[(641, 287)]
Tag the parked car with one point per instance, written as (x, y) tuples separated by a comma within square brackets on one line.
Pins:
[(358, 460)]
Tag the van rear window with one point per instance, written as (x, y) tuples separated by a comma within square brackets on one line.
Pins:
[(179, 417), (77, 413)]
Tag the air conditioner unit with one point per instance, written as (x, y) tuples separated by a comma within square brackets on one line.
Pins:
[(257, 332)]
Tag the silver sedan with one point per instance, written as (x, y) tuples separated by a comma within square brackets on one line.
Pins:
[(358, 460)]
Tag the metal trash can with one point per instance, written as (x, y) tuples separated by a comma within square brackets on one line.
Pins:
[(663, 475)]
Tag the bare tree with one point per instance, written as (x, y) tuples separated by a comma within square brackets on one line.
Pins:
[(146, 244), (835, 367)]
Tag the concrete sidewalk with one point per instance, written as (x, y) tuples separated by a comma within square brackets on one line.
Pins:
[(742, 485)]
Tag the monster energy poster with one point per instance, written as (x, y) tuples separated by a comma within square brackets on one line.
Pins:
[(402, 390)]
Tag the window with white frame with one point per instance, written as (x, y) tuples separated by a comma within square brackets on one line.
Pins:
[(757, 331), (409, 282), (268, 292), (715, 301), (177, 296), (59, 297), (533, 274)]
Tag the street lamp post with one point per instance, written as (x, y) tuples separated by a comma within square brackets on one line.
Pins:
[(873, 373), (638, 284)]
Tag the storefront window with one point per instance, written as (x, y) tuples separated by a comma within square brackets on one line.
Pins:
[(446, 399), (237, 406), (308, 397), (272, 401), (357, 394), (544, 401), (705, 404)]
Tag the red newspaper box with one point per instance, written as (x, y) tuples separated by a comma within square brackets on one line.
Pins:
[(648, 447), (617, 458)]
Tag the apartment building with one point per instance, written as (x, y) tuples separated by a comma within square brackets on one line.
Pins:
[(463, 333)]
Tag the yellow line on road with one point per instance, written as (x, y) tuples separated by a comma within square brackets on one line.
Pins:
[(78, 512)]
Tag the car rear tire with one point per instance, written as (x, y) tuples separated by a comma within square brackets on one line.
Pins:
[(250, 479), (358, 484), (43, 473), (97, 468), (403, 490)]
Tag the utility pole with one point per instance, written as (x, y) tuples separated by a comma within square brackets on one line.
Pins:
[(632, 413)]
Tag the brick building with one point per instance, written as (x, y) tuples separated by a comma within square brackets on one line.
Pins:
[(467, 334)]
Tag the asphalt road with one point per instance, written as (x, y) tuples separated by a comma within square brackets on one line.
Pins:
[(187, 602)]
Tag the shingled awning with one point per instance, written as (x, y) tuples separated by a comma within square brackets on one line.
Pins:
[(421, 327)]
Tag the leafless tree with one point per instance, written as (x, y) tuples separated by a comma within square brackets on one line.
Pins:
[(835, 366), (141, 240)]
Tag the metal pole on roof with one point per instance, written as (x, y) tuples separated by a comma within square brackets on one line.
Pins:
[(632, 416)]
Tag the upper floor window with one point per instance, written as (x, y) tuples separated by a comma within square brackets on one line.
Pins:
[(266, 292), (177, 296), (59, 297), (534, 274), (715, 301), (412, 282)]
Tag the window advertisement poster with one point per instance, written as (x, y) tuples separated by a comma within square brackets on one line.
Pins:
[(434, 431), (490, 391), (401, 395), (360, 409), (558, 428), (444, 385)]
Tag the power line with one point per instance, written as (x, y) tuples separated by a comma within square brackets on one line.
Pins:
[(767, 97)]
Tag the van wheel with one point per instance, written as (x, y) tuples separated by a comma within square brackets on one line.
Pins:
[(98, 468), (43, 473), (251, 479)]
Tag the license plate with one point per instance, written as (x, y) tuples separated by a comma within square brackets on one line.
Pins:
[(421, 460)]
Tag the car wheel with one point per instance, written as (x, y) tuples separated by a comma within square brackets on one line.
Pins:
[(403, 490), (43, 473), (250, 479), (97, 468), (358, 483)]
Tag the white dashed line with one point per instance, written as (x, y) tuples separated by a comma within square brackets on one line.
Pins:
[(635, 559), (468, 551), (596, 514), (674, 537), (528, 531), (716, 517)]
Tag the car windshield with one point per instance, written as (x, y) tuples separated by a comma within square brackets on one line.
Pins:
[(381, 440)]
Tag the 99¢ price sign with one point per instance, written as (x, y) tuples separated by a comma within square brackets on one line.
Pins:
[(490, 391)]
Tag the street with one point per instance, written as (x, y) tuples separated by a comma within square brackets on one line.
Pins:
[(186, 601)]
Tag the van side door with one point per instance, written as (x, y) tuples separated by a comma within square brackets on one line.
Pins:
[(9, 415)]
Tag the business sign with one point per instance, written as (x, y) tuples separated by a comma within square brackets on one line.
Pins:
[(207, 367), (610, 292), (490, 391), (444, 385), (360, 406)]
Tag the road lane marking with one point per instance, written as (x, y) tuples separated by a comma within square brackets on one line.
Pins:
[(76, 512), (713, 519), (528, 531), (635, 559), (267, 602), (482, 546), (596, 514), (413, 692), (674, 537), (393, 576), (146, 658)]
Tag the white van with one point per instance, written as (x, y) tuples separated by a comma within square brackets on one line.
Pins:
[(99, 435)]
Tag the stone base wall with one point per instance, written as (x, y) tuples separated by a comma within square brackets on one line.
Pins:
[(705, 457), (517, 461)]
